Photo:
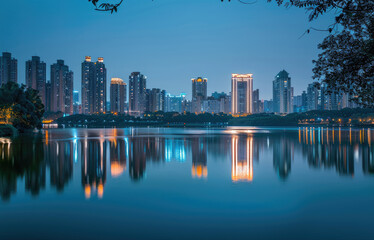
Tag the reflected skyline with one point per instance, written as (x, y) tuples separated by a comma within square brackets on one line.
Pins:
[(42, 162)]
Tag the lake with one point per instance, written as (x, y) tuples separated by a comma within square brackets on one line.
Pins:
[(180, 183)]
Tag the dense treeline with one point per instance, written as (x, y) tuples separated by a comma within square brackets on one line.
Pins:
[(347, 116), (341, 117), (148, 119)]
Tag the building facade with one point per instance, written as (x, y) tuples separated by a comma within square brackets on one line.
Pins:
[(282, 93), (256, 101), (62, 88), (137, 93), (241, 94), (199, 93), (155, 100), (175, 103), (88, 68), (94, 86), (118, 96), (36, 76), (8, 68)]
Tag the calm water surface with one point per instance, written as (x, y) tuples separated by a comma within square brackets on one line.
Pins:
[(142, 183)]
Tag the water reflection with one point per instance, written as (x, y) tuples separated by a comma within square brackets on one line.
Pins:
[(50, 159), (242, 158)]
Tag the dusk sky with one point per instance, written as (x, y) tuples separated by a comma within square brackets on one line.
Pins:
[(170, 41)]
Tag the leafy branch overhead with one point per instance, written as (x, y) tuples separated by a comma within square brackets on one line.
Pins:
[(106, 7)]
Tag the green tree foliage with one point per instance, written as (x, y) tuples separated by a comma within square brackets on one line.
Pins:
[(22, 105), (347, 59)]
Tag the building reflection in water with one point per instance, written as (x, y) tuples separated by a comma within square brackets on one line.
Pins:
[(118, 156), (93, 167), (242, 158), (338, 148), (31, 159), (137, 157), (283, 149), (199, 158)]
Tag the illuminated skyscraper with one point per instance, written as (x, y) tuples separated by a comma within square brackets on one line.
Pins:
[(36, 76), (62, 88), (93, 86), (99, 90), (241, 90), (199, 93), (137, 93), (117, 95), (8, 68), (282, 93), (87, 79)]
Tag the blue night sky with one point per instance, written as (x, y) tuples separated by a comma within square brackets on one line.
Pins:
[(170, 41)]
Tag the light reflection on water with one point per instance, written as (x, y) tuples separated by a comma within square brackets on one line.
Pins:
[(95, 160), (59, 151)]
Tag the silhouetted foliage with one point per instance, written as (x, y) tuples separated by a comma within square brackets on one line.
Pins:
[(148, 119), (21, 106), (347, 59)]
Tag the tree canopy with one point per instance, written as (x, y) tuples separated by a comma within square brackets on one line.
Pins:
[(21, 106)]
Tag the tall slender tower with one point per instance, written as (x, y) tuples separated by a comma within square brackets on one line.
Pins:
[(8, 68), (99, 100), (282, 93), (36, 76), (137, 93), (62, 88), (241, 90), (88, 68)]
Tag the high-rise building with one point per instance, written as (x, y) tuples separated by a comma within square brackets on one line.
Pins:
[(8, 68), (88, 68), (217, 103), (282, 93), (313, 96), (256, 101), (94, 85), (174, 103), (118, 96), (155, 100), (137, 93), (36, 75), (241, 93), (99, 90), (199, 93), (48, 97), (76, 105), (268, 106), (62, 88)]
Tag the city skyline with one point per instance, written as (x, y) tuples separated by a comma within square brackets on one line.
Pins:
[(172, 50)]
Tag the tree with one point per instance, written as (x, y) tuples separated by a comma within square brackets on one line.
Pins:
[(21, 106), (346, 63)]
